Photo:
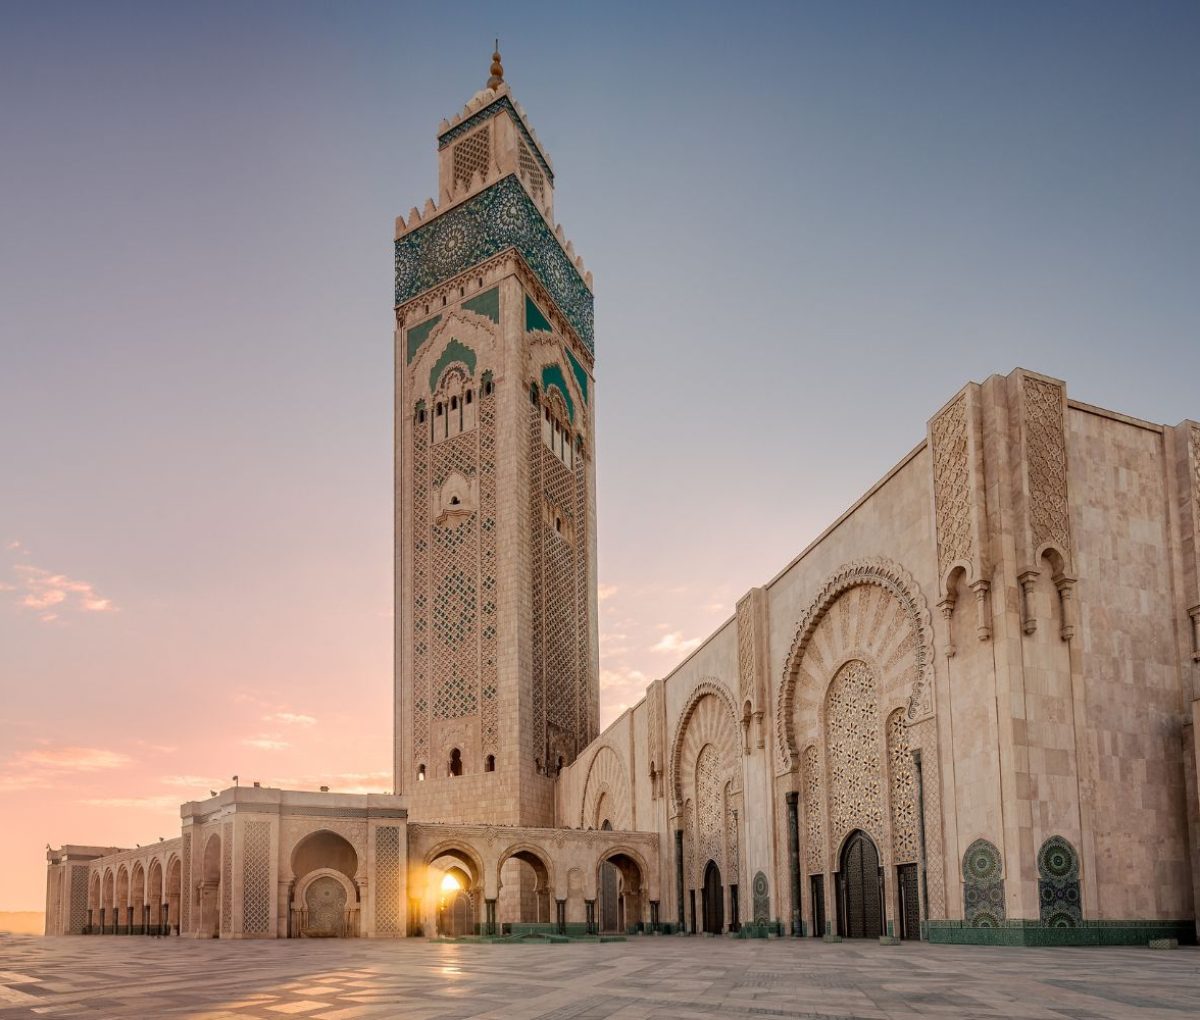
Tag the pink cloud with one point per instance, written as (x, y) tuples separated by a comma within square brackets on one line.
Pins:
[(75, 759), (44, 591), (46, 766), (268, 742), (676, 643), (291, 718)]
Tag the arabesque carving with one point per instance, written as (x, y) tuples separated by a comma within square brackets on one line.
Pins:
[(1046, 455), (916, 645)]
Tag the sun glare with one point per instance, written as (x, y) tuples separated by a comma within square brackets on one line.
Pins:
[(450, 883)]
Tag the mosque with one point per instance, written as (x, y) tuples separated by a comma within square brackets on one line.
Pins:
[(967, 712)]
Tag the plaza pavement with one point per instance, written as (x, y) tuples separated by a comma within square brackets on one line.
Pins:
[(652, 977)]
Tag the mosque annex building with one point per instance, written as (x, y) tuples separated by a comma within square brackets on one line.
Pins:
[(966, 713)]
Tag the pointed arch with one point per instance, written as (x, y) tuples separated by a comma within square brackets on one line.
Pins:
[(708, 717), (607, 781), (886, 622)]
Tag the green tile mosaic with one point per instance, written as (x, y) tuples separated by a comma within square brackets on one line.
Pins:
[(500, 217), (534, 319), (418, 335), (487, 303), (454, 352), (552, 375), (580, 374)]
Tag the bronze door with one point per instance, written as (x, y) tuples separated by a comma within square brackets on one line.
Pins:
[(910, 908), (713, 900), (861, 900)]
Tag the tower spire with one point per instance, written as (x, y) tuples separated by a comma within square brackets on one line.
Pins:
[(497, 78)]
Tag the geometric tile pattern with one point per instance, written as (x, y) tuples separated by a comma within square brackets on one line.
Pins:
[(951, 483), (185, 903), (472, 155), (387, 880), (762, 899), (1045, 448), (531, 171), (499, 217), (562, 711), (646, 977), (227, 878), (1058, 884), (488, 620), (852, 743), (79, 899), (419, 726), (256, 878), (708, 807), (983, 886), (904, 792), (814, 849)]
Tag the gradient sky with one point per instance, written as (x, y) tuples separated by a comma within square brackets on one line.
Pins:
[(809, 224)]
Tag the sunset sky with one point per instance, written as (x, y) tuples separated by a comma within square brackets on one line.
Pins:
[(809, 225)]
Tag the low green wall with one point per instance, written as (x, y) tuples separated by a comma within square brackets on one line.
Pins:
[(1033, 933)]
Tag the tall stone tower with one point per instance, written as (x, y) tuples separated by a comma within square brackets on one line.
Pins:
[(496, 649)]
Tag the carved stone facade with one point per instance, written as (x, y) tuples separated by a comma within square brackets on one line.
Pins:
[(1014, 768)]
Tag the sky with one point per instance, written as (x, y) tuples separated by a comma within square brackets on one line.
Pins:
[(809, 224)]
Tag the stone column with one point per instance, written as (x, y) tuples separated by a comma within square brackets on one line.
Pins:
[(591, 916), (793, 836), (560, 915), (679, 877), (490, 906)]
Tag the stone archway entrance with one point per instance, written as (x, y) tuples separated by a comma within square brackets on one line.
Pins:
[(609, 890), (325, 908), (458, 915), (860, 888), (210, 889), (712, 899)]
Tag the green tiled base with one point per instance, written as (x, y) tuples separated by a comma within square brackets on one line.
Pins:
[(1090, 933)]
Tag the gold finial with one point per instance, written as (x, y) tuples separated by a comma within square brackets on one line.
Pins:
[(497, 78)]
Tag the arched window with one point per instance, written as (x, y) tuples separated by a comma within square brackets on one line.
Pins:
[(420, 773), (440, 409), (488, 387), (467, 396), (456, 762), (489, 763), (454, 403)]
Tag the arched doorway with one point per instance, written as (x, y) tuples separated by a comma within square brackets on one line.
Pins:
[(210, 889), (609, 889), (137, 900), (524, 888), (154, 896), (121, 908), (107, 908), (456, 905), (619, 884), (860, 888), (712, 900), (174, 896), (325, 902)]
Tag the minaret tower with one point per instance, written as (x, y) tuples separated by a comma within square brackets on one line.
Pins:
[(496, 651)]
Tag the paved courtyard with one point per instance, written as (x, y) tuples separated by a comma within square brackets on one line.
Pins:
[(640, 979)]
